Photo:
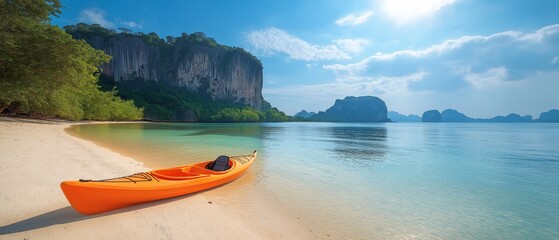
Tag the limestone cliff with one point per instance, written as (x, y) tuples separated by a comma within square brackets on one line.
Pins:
[(549, 116), (192, 61), (451, 115), (355, 109), (398, 117), (431, 116), (305, 114)]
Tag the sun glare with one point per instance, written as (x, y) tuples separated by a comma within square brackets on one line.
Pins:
[(404, 11)]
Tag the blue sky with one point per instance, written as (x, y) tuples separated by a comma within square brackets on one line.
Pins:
[(483, 58)]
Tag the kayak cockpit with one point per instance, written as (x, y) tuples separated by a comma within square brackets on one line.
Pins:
[(176, 174), (190, 172)]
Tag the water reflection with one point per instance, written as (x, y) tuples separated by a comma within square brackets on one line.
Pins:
[(253, 130), (359, 144), (171, 144)]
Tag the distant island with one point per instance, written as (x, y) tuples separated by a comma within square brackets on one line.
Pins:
[(397, 117), (373, 109), (351, 109), (549, 116), (452, 115), (304, 114)]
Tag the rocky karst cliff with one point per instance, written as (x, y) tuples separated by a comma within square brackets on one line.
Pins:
[(397, 117), (451, 115), (355, 109), (431, 116), (192, 61), (549, 116)]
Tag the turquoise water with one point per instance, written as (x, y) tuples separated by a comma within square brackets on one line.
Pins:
[(375, 181)]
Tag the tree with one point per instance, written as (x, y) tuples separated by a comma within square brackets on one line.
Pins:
[(228, 115), (170, 39), (43, 70), (275, 115), (249, 115)]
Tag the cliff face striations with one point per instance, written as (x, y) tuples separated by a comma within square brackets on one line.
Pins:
[(224, 75), (132, 58), (194, 62)]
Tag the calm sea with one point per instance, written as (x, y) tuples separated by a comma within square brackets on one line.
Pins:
[(373, 180)]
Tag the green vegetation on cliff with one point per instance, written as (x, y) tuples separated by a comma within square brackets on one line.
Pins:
[(45, 72), (162, 102)]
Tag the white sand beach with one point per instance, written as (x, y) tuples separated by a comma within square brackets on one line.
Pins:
[(37, 155)]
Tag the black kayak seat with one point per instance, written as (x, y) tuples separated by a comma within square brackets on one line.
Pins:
[(220, 164)]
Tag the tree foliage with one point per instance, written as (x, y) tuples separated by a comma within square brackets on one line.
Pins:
[(245, 114), (45, 72)]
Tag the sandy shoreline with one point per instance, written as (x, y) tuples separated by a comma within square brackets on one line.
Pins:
[(37, 155)]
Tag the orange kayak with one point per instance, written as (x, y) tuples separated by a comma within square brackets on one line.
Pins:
[(96, 196)]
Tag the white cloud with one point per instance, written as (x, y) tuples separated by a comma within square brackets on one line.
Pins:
[(99, 16), (490, 78), (96, 16), (405, 11), (352, 45), (350, 69), (310, 65), (444, 47), (349, 86), (131, 24), (496, 71), (272, 40), (476, 61), (354, 19), (541, 34), (318, 97)]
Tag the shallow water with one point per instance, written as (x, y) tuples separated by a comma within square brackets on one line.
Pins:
[(372, 180)]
